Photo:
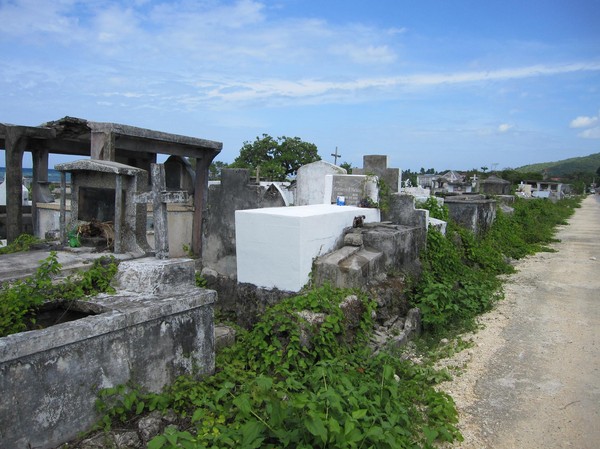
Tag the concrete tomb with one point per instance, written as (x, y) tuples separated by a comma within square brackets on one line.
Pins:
[(473, 212), (276, 246), (493, 185), (158, 326), (105, 191)]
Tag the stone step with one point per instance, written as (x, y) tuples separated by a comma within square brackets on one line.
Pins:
[(348, 267), (338, 256)]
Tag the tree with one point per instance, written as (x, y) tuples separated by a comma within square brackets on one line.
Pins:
[(214, 171), (347, 166), (276, 158), (484, 169)]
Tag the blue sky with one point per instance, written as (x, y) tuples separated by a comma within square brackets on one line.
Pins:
[(434, 84)]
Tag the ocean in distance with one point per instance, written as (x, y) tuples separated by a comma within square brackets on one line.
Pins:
[(53, 175)]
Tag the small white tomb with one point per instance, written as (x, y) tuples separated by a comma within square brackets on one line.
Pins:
[(276, 246)]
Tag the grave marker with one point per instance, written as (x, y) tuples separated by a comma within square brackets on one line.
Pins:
[(378, 165), (356, 189), (159, 197)]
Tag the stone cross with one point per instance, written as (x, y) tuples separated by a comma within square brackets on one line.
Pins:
[(335, 156), (159, 197)]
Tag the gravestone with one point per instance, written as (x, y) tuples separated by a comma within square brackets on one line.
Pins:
[(311, 185), (378, 165), (356, 190)]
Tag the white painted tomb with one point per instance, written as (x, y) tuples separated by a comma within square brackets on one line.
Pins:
[(276, 246)]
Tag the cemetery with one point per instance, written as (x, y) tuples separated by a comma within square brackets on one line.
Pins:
[(254, 243)]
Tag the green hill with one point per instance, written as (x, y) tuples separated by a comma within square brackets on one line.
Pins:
[(585, 164)]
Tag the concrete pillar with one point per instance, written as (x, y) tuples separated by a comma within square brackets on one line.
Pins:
[(15, 147), (103, 146), (200, 199), (40, 175)]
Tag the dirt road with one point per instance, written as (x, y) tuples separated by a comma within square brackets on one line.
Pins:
[(532, 380)]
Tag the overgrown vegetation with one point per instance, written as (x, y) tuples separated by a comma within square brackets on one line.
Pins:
[(19, 299), (460, 276), (21, 243), (275, 388)]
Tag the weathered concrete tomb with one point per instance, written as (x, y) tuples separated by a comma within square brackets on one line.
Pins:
[(157, 327), (474, 212)]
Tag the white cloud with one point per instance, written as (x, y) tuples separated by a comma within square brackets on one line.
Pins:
[(505, 127), (366, 54), (583, 122), (591, 133)]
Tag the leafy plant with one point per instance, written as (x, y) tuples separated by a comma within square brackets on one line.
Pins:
[(21, 243), (460, 270), (19, 299), (436, 210)]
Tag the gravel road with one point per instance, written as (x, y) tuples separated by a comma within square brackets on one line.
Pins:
[(532, 378)]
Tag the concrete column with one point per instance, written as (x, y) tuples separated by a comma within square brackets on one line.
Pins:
[(200, 200), (103, 146), (118, 248), (15, 147), (40, 174)]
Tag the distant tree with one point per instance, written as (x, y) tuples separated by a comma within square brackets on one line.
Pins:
[(276, 158), (407, 174), (214, 171), (598, 171), (484, 169), (347, 166)]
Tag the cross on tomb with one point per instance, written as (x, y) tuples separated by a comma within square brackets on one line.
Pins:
[(159, 197), (335, 156)]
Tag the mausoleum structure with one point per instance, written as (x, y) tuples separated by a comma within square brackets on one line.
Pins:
[(105, 191), (129, 145)]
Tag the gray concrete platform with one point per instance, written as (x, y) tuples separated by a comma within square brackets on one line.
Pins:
[(24, 264)]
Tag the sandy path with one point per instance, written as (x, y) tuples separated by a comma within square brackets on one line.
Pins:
[(532, 380)]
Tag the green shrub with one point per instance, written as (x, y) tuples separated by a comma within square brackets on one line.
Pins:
[(21, 243), (19, 299)]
